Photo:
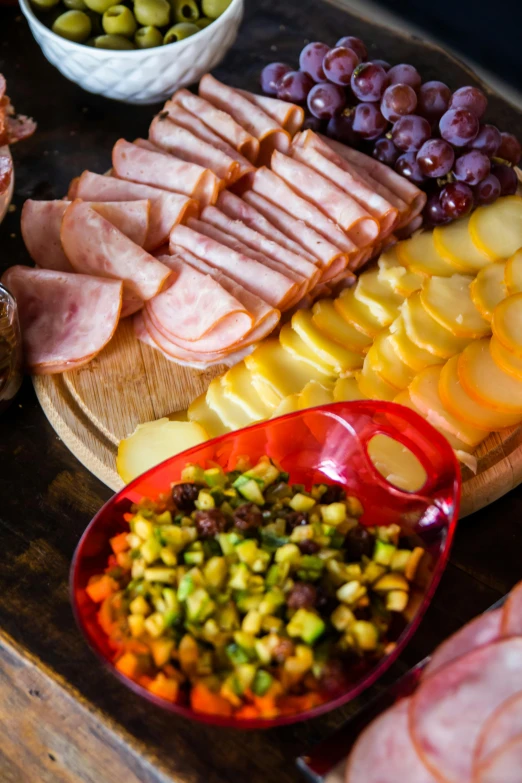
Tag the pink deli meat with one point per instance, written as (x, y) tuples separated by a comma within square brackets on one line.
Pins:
[(130, 217), (480, 631), (41, 222), (65, 318), (504, 766), (94, 246), (137, 164), (288, 115), (503, 726), (166, 208), (512, 613)]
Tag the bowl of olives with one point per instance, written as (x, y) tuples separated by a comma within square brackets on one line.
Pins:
[(137, 51)]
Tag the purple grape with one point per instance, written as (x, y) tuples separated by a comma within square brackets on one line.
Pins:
[(341, 129), (326, 100), (311, 60), (350, 42), (459, 127), (433, 100), (456, 200), (385, 150), (472, 167), (410, 132), (368, 82), (294, 87), (405, 74), (271, 75), (487, 141), (383, 63), (510, 149), (407, 165), (339, 64), (313, 124), (435, 158), (397, 101), (433, 212), (487, 191), (506, 177), (470, 98), (368, 121)]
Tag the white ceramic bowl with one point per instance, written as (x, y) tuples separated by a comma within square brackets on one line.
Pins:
[(5, 198), (142, 75)]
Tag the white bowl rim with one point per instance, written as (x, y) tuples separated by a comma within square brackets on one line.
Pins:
[(28, 12)]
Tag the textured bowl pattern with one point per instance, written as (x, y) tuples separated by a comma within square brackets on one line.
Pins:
[(142, 76)]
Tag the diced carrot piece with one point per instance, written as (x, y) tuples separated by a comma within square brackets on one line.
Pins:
[(248, 712), (119, 543), (164, 688), (101, 588), (128, 665), (204, 700), (128, 517), (105, 615), (145, 680)]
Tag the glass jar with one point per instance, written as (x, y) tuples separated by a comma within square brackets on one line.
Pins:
[(10, 348)]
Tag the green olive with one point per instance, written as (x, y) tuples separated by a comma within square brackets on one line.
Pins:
[(44, 5), (184, 10), (73, 25), (113, 42), (203, 22), (100, 6), (75, 5), (148, 37), (214, 8), (118, 20), (155, 13), (179, 32)]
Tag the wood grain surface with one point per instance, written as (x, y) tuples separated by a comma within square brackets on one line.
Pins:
[(48, 497)]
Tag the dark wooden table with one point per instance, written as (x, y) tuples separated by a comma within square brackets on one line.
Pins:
[(63, 717)]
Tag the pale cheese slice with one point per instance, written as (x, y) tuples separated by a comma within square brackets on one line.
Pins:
[(506, 360), (420, 255), (453, 243), (404, 398), (238, 387), (448, 301), (299, 350), (402, 280), (507, 323), (485, 382), (278, 370), (387, 362), (488, 289), (426, 332), (415, 357), (496, 229), (233, 416), (289, 404), (347, 390), (340, 359), (513, 273), (396, 463), (373, 385), (356, 313), (199, 412), (331, 324), (378, 296), (315, 394)]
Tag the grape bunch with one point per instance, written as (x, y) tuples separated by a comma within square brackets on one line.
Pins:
[(426, 132)]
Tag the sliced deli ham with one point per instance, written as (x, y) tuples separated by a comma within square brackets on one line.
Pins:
[(480, 631), (41, 222), (65, 318), (503, 726), (288, 115), (130, 217), (95, 246), (512, 613), (137, 164), (503, 766)]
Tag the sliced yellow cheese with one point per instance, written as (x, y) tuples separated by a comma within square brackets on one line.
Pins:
[(154, 442), (488, 289), (426, 332), (424, 391), (410, 353), (507, 323), (506, 360), (373, 385), (289, 404), (331, 324), (420, 255), (456, 400), (496, 229), (347, 390), (237, 386), (297, 348), (404, 398), (269, 397), (513, 273), (387, 362), (453, 243), (485, 382), (448, 301), (200, 412), (315, 394), (396, 463), (339, 358), (356, 313), (378, 296), (402, 280), (278, 370), (233, 416)]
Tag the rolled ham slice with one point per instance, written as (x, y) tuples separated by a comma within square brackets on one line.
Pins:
[(504, 765), (95, 246), (220, 122), (503, 726), (186, 120), (512, 613), (288, 115), (65, 318), (72, 193), (141, 165), (480, 631), (361, 227), (41, 222), (166, 208), (185, 145), (130, 217), (255, 121), (269, 284)]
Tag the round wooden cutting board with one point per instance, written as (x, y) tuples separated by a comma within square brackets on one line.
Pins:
[(94, 407)]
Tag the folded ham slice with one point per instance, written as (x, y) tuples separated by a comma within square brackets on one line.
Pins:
[(130, 217), (65, 318), (269, 284), (220, 122), (288, 115), (166, 208), (185, 145), (95, 246), (137, 164), (255, 120), (40, 223)]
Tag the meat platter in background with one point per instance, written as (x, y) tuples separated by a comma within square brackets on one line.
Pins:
[(13, 128)]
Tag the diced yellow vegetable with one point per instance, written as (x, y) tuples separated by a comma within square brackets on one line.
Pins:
[(420, 255), (396, 463), (278, 370), (351, 592), (330, 323), (199, 412), (448, 301), (513, 273), (365, 634), (342, 617), (496, 229), (427, 333), (506, 360), (410, 353), (237, 384), (397, 600), (387, 362), (333, 354), (488, 289), (378, 296), (356, 313), (485, 382), (373, 386), (347, 390), (232, 416), (299, 350), (453, 243), (391, 582), (507, 323), (402, 280)]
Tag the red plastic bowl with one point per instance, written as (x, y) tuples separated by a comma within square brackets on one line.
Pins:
[(325, 444)]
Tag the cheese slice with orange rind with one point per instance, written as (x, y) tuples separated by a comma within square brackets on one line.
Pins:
[(387, 362), (315, 394), (297, 348), (237, 385), (507, 323), (485, 382), (356, 313), (426, 332), (424, 391), (506, 360), (199, 412), (330, 323), (404, 398), (513, 273), (459, 403), (347, 390), (453, 243), (373, 386), (488, 289), (378, 296), (339, 358), (420, 255), (401, 280), (416, 358), (496, 229), (448, 301), (278, 370)]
